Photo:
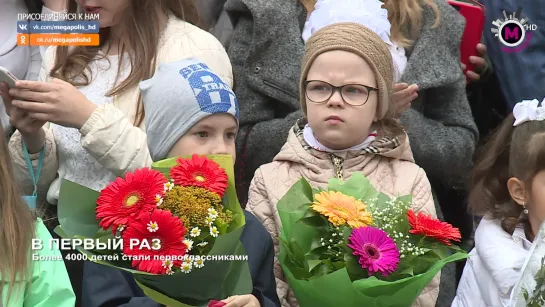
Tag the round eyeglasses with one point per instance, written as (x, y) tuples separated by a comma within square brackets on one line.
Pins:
[(353, 94)]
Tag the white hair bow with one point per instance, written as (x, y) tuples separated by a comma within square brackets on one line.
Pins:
[(528, 110), (368, 13)]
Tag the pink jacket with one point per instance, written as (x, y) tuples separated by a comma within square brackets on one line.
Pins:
[(387, 163)]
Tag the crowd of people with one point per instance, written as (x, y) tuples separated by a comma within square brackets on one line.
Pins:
[(322, 91)]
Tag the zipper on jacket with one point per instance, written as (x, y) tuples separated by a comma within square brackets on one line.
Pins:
[(338, 164)]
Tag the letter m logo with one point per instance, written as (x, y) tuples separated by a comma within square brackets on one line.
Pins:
[(512, 33)]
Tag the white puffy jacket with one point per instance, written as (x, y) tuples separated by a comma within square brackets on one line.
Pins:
[(493, 268)]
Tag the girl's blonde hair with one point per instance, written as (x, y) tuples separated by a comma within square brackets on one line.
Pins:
[(17, 228), (141, 27), (400, 13)]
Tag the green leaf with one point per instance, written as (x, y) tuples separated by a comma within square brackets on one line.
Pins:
[(309, 212), (314, 221), (299, 194), (352, 265), (407, 199), (442, 251), (323, 269), (337, 265), (356, 186), (290, 255), (76, 209), (290, 261), (299, 272), (313, 264), (317, 252), (315, 243), (382, 201), (347, 231), (406, 271), (298, 253), (317, 191), (455, 248)]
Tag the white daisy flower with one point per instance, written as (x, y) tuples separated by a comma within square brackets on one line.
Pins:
[(170, 271), (195, 232), (167, 264), (188, 243), (158, 199), (153, 227), (212, 213), (209, 220), (202, 244), (186, 267), (168, 186), (187, 260), (214, 231), (199, 262)]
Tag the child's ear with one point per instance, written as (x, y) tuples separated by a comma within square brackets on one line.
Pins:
[(517, 190)]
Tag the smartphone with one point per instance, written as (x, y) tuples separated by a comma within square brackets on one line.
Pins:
[(474, 14), (6, 76)]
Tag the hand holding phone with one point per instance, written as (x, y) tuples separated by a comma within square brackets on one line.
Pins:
[(474, 14), (6, 76)]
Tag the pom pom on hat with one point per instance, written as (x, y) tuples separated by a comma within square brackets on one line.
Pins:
[(368, 13)]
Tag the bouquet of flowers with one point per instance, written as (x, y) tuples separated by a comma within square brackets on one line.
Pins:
[(162, 225), (366, 248), (529, 290)]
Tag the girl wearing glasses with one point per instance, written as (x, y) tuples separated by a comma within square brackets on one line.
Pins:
[(346, 86)]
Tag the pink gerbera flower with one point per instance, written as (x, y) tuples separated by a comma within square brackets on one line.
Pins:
[(377, 252)]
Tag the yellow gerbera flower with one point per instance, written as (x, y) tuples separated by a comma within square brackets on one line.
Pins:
[(342, 209)]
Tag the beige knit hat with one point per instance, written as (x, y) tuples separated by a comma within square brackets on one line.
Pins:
[(357, 39)]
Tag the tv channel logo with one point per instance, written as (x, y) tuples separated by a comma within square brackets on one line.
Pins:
[(514, 31)]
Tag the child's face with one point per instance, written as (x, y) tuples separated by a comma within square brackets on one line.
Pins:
[(212, 135), (337, 124)]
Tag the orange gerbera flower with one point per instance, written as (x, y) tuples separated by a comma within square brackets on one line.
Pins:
[(342, 209), (424, 224)]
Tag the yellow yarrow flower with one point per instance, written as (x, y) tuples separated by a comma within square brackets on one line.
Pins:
[(341, 209), (192, 204)]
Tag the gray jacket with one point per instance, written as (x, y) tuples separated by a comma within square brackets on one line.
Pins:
[(265, 50), (441, 129)]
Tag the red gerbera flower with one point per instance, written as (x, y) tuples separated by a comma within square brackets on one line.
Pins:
[(424, 224), (124, 199), (155, 242), (200, 172)]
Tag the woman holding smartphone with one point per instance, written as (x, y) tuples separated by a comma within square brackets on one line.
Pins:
[(85, 114), (23, 62)]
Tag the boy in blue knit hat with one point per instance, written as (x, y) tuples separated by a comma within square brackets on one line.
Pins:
[(189, 110)]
